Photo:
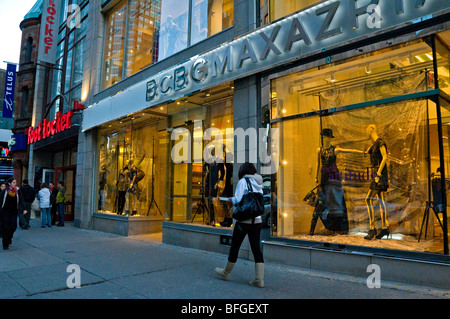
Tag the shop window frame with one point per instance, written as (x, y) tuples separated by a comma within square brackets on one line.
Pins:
[(433, 94)]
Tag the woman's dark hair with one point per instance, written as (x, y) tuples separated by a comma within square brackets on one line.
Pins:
[(247, 169), (43, 185), (10, 180)]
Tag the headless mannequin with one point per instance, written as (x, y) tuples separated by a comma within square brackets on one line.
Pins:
[(337, 150), (327, 173), (378, 158)]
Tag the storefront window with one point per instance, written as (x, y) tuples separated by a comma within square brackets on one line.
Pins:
[(354, 81), (369, 160), (279, 9), (132, 161), (199, 181), (140, 151)]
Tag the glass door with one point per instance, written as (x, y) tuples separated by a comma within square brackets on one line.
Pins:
[(48, 176), (67, 175), (181, 179)]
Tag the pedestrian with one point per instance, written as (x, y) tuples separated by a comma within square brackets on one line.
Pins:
[(44, 203), (2, 187), (251, 227), (54, 193), (11, 203), (60, 199), (28, 196)]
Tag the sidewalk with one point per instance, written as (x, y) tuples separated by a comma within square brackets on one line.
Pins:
[(141, 267)]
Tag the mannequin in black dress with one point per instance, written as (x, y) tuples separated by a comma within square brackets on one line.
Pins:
[(379, 185), (331, 205)]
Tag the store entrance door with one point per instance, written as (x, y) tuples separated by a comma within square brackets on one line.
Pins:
[(186, 184), (67, 175)]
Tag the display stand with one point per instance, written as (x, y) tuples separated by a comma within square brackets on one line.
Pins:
[(153, 201), (201, 206), (429, 204)]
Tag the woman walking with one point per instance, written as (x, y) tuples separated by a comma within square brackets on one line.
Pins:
[(44, 202), (251, 227), (11, 203)]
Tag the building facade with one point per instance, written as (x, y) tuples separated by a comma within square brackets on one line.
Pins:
[(341, 105), (26, 75)]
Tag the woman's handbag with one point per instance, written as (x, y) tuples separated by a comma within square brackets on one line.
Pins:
[(312, 197), (35, 205), (250, 206)]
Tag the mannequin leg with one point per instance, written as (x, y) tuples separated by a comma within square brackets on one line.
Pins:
[(370, 210), (383, 213), (369, 203)]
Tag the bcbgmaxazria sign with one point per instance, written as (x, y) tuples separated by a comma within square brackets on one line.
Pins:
[(312, 30)]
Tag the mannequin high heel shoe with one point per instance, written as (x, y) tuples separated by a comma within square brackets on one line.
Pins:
[(384, 232), (372, 233)]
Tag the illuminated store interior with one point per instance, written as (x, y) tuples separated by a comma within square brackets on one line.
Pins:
[(139, 174), (330, 113)]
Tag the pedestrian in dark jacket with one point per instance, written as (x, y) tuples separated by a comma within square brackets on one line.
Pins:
[(11, 200), (2, 187), (54, 193), (28, 197)]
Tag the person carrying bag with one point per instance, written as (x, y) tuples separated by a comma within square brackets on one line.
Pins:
[(248, 211)]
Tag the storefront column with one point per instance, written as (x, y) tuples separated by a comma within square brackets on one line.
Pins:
[(85, 180), (38, 102), (246, 114)]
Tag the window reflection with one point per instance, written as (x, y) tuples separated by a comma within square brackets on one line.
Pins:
[(279, 9), (142, 36), (140, 33), (114, 43)]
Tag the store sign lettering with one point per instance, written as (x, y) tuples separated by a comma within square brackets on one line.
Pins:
[(311, 31), (49, 31), (292, 37), (10, 85), (49, 128)]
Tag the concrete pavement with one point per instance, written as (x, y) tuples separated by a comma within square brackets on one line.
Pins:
[(141, 267)]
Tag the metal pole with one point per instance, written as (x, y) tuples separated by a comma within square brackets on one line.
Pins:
[(441, 148)]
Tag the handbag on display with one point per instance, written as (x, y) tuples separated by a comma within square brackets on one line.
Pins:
[(312, 197), (250, 206)]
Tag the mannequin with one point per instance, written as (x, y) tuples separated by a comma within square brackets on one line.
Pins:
[(215, 173), (379, 185), (101, 186), (135, 175), (122, 186), (228, 190), (331, 205)]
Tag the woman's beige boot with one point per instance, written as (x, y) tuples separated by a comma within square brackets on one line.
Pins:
[(225, 273), (259, 276)]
